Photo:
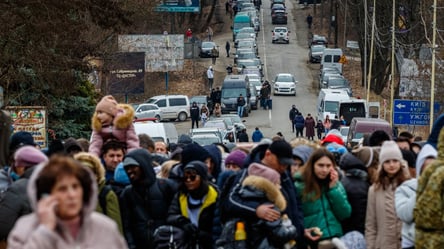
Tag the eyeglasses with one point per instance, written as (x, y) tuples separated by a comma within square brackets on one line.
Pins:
[(191, 177)]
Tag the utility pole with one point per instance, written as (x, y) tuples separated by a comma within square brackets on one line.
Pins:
[(345, 24), (392, 74), (336, 23), (372, 38), (365, 44), (330, 23), (432, 83)]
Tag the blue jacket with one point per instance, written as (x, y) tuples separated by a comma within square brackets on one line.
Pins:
[(299, 121), (257, 136)]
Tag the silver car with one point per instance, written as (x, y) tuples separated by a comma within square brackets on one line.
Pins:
[(148, 111), (284, 83)]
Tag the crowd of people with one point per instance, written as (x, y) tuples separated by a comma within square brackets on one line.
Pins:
[(274, 193)]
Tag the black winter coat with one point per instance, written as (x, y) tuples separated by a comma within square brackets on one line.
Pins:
[(14, 204), (144, 205), (208, 221), (356, 184), (194, 112)]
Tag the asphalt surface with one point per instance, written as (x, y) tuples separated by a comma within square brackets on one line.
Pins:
[(277, 58)]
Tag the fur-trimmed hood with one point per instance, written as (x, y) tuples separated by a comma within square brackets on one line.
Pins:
[(123, 119), (270, 190)]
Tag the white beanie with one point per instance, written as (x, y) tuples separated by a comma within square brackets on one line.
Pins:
[(389, 150)]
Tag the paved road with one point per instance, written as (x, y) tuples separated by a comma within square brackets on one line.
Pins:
[(277, 58)]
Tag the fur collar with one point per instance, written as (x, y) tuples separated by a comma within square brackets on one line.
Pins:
[(123, 119), (271, 191)]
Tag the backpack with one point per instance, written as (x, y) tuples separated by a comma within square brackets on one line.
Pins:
[(170, 237), (102, 198), (226, 239)]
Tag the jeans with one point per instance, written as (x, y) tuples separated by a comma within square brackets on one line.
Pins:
[(240, 111)]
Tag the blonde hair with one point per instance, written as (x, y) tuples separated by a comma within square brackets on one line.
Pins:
[(166, 168)]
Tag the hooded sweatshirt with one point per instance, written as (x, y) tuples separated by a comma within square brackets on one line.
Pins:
[(29, 233)]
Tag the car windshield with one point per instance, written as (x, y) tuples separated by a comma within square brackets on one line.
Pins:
[(246, 55), (247, 30), (245, 44), (317, 48), (280, 30), (331, 106), (337, 82), (151, 101), (239, 25), (240, 36), (284, 78), (215, 124), (205, 140), (208, 44), (233, 92)]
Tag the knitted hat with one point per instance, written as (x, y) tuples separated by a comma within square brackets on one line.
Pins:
[(200, 168), (272, 175), (108, 105), (192, 152), (389, 150), (368, 155), (28, 156), (236, 157), (20, 139)]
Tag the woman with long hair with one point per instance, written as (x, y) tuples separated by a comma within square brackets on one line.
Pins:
[(63, 195), (327, 124), (324, 200), (382, 226)]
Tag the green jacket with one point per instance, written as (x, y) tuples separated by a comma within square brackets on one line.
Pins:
[(112, 206), (326, 211)]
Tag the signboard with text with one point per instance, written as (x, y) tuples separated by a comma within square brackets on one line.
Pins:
[(32, 119), (127, 71), (179, 6), (412, 112)]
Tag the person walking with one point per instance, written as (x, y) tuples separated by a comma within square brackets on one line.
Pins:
[(195, 207), (195, 115), (210, 33), (63, 195), (299, 123), (319, 129), (292, 114), (382, 226), (214, 54), (324, 200), (257, 135), (327, 124), (189, 34), (240, 105), (227, 48), (210, 76), (309, 127), (309, 20)]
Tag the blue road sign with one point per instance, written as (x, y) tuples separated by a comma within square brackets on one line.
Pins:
[(412, 112)]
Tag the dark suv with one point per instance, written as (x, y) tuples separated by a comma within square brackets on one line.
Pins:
[(279, 17)]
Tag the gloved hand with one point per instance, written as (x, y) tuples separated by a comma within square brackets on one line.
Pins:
[(190, 229)]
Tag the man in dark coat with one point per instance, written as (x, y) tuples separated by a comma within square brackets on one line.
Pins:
[(218, 95), (145, 202), (292, 114), (195, 115)]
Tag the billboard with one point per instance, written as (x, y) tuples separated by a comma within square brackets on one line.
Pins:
[(179, 6), (32, 119), (126, 73), (163, 53)]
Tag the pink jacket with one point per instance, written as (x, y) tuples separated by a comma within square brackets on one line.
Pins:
[(97, 231), (122, 130)]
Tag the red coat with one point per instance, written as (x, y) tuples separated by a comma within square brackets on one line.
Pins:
[(309, 126), (189, 33), (122, 129)]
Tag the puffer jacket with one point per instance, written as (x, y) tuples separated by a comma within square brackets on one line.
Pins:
[(405, 199), (29, 233), (299, 121), (356, 184), (178, 216), (144, 205), (261, 190), (327, 211), (122, 129), (14, 204), (429, 210)]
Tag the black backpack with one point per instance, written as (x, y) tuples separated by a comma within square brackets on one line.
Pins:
[(170, 237), (102, 198)]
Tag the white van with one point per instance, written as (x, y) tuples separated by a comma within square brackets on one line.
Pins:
[(328, 102), (165, 132), (172, 106), (331, 57)]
